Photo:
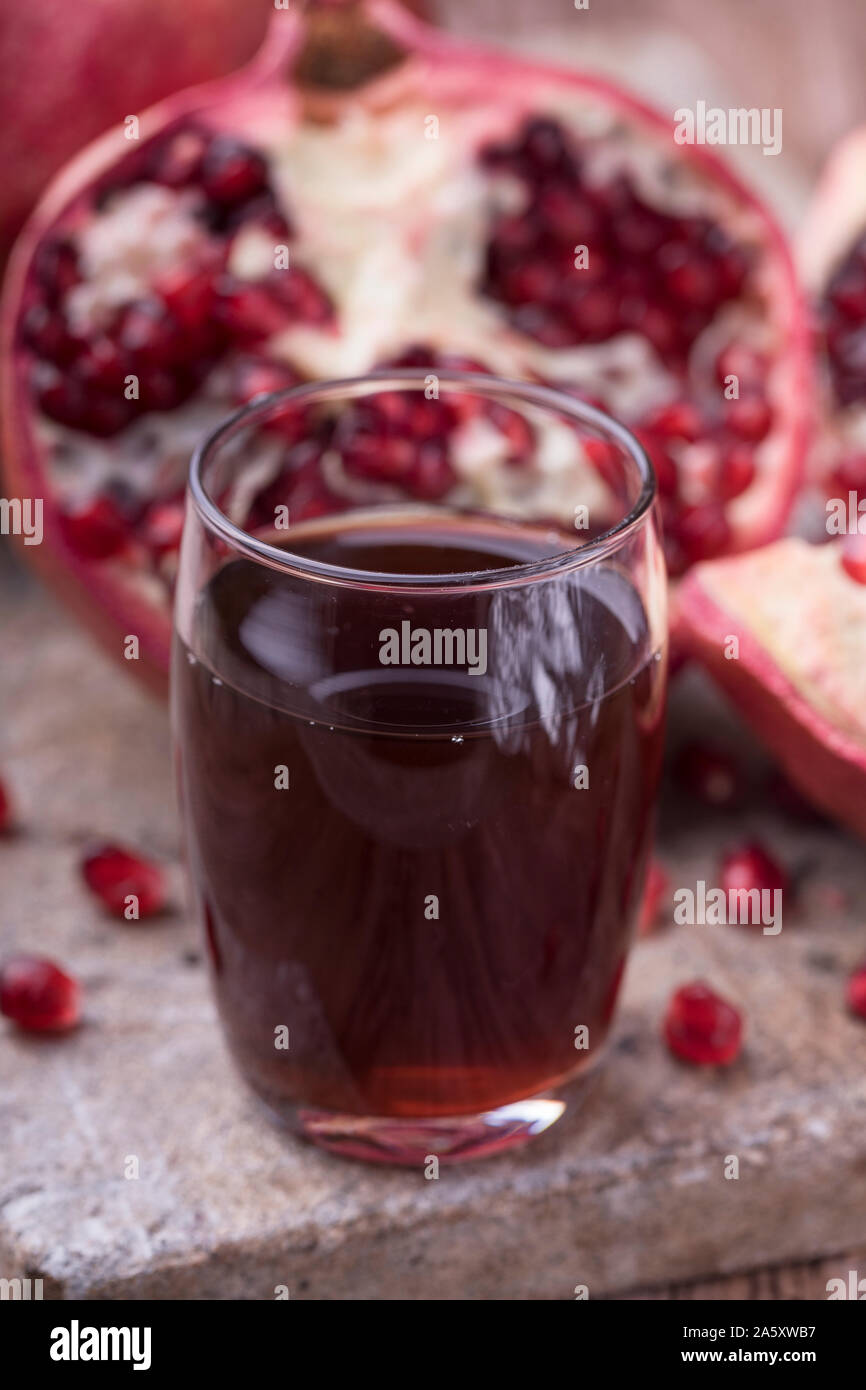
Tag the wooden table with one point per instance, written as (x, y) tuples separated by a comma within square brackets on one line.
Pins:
[(627, 1197)]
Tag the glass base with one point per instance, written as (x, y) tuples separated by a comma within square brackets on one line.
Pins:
[(413, 1142)]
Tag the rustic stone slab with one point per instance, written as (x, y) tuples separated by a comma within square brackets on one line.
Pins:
[(629, 1194)]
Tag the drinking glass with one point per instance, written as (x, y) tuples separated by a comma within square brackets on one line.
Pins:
[(418, 740)]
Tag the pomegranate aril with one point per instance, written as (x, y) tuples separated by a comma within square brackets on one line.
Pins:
[(749, 417), (690, 276), (750, 867), (593, 313), (847, 292), (737, 470), (568, 216), (711, 775), (431, 476), (678, 420), (44, 330), (701, 531), (148, 331), (516, 429), (856, 992), (56, 268), (535, 282), (189, 294), (853, 557), (701, 1027), (748, 366), (545, 147), (176, 161), (37, 995), (232, 172), (96, 529), (5, 810), (115, 874), (162, 526)]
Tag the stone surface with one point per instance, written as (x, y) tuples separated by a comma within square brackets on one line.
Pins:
[(629, 1194)]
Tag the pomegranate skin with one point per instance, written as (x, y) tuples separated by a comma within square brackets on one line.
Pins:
[(63, 81), (816, 733), (99, 596)]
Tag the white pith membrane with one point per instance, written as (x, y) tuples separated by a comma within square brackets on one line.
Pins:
[(808, 616), (394, 225)]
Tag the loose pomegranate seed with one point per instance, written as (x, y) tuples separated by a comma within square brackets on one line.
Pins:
[(703, 1028), (655, 892), (232, 172), (856, 992), (95, 530), (711, 775), (5, 810), (750, 867), (854, 556), (38, 996), (115, 874)]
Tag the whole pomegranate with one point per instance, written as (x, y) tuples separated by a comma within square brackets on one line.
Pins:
[(67, 72), (460, 207)]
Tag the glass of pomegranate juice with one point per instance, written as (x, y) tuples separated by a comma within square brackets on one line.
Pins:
[(418, 698)]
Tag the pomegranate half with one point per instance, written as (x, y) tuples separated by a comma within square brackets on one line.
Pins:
[(797, 671), (463, 205)]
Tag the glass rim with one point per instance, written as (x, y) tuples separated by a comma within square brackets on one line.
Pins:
[(480, 383)]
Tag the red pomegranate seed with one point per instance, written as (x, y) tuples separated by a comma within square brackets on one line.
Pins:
[(749, 867), (856, 992), (737, 470), (5, 810), (703, 1028), (847, 292), (432, 475), (148, 330), (678, 420), (115, 874), (568, 216), (737, 360), (854, 556), (176, 162), (850, 474), (232, 172), (259, 376), (162, 526), (45, 332), (691, 276), (593, 313), (55, 266), (95, 530), (702, 531), (536, 282), (655, 892), (749, 417), (189, 294), (38, 996), (711, 775)]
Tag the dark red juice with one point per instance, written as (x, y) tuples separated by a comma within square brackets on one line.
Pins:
[(415, 900)]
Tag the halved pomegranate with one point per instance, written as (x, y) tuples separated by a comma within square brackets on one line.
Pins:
[(539, 224), (797, 671), (832, 252)]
